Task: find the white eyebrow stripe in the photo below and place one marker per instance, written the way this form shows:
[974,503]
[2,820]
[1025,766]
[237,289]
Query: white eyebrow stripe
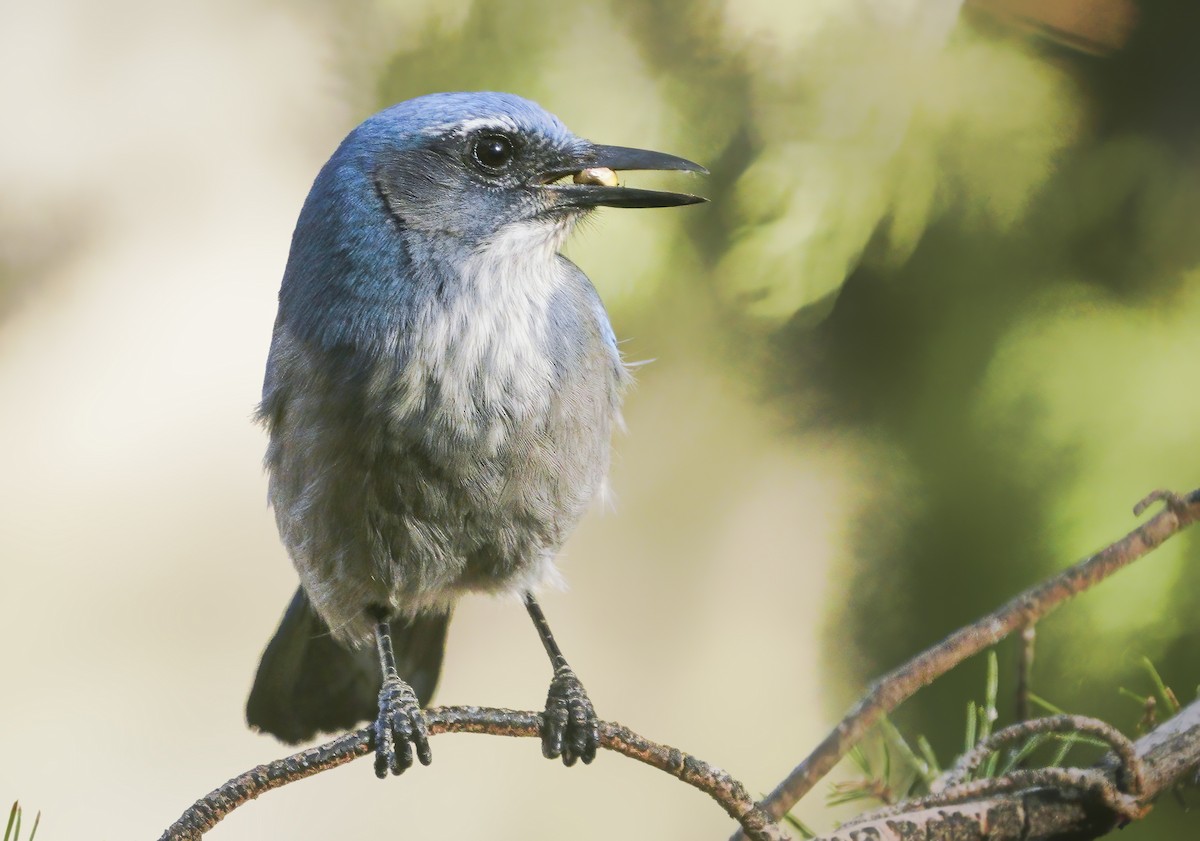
[461,129]
[479,123]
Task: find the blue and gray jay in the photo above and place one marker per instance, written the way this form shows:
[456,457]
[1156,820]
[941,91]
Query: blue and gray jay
[439,397]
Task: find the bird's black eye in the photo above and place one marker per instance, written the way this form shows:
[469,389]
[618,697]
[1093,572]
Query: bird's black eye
[492,152]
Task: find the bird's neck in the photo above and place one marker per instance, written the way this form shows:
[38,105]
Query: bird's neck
[519,264]
[482,336]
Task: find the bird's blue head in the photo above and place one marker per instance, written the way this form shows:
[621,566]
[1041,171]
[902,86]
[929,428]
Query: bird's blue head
[418,188]
[465,165]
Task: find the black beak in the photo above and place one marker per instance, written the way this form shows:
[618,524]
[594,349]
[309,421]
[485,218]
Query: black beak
[617,159]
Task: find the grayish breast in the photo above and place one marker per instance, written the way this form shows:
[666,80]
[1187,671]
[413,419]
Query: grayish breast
[460,459]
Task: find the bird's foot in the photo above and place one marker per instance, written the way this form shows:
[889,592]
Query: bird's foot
[569,726]
[400,727]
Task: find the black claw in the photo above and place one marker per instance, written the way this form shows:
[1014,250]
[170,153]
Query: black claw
[384,747]
[421,740]
[554,725]
[579,730]
[570,728]
[400,726]
[593,742]
[402,757]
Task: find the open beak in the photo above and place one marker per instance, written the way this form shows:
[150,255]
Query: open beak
[594,169]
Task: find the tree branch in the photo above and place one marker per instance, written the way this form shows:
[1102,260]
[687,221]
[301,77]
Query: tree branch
[728,792]
[1077,805]
[1045,803]
[892,689]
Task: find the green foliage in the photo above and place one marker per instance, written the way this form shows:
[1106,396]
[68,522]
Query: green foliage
[892,771]
[799,825]
[1163,695]
[12,831]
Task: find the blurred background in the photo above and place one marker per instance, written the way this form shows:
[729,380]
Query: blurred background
[933,337]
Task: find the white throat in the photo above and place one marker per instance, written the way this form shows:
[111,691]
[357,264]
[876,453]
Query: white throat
[486,345]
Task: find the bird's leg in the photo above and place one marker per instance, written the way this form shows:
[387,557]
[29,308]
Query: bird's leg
[569,727]
[401,724]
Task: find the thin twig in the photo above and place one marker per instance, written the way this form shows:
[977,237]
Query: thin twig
[1078,781]
[716,783]
[1130,780]
[1025,670]
[890,691]
[1045,803]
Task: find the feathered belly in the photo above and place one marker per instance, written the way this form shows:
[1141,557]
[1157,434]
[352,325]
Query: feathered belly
[410,511]
[458,457]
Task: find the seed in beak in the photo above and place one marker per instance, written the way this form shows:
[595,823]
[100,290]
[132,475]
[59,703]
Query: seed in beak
[599,175]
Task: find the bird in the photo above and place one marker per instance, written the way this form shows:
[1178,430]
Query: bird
[439,398]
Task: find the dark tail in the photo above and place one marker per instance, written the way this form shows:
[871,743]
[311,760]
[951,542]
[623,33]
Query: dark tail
[307,683]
